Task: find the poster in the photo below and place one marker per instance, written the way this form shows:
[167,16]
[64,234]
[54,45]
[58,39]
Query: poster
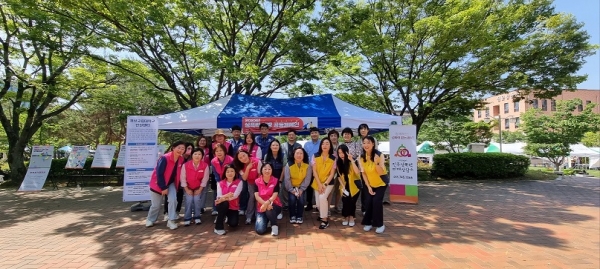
[279,124]
[77,157]
[140,157]
[104,156]
[121,157]
[35,179]
[403,164]
[41,156]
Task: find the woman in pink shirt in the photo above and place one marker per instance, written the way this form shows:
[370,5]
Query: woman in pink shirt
[268,205]
[228,204]
[194,177]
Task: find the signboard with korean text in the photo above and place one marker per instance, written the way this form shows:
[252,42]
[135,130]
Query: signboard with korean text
[103,157]
[403,164]
[279,124]
[39,168]
[140,157]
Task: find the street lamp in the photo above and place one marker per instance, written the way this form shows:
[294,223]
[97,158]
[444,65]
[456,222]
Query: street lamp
[487,120]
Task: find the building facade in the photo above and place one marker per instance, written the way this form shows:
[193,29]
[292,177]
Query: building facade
[509,107]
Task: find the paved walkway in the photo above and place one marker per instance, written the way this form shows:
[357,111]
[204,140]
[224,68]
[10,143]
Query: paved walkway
[537,224]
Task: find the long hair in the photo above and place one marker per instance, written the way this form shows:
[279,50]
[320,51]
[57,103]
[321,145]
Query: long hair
[269,157]
[320,152]
[236,161]
[343,164]
[251,134]
[374,151]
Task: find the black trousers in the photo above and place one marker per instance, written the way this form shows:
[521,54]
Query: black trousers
[224,211]
[374,206]
[179,201]
[310,194]
[349,205]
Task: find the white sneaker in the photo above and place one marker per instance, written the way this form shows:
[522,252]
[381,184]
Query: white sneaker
[345,223]
[293,220]
[214,213]
[220,232]
[248,221]
[187,223]
[368,228]
[149,223]
[166,218]
[242,212]
[351,223]
[280,216]
[380,229]
[274,230]
[299,220]
[197,221]
[171,224]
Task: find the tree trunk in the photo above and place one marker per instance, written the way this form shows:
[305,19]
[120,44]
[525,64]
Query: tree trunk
[15,161]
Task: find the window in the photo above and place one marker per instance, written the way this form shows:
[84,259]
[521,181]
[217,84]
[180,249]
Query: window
[479,113]
[544,105]
[506,123]
[487,112]
[587,102]
[553,105]
[580,107]
[516,108]
[505,108]
[534,103]
[517,122]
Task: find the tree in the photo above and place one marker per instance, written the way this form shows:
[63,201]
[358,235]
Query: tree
[591,139]
[445,55]
[510,137]
[204,50]
[363,100]
[455,133]
[45,72]
[549,136]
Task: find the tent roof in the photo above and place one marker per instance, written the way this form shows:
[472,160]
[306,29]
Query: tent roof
[330,111]
[580,150]
[426,148]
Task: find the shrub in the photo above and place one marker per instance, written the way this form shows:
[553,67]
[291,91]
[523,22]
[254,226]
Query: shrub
[568,172]
[480,165]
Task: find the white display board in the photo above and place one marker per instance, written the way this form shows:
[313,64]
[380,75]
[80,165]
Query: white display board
[140,157]
[403,164]
[121,157]
[77,157]
[39,168]
[104,156]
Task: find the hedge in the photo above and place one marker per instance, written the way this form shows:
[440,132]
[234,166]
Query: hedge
[57,169]
[479,165]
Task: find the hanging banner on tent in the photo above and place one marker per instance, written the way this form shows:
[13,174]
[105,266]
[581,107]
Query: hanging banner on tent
[77,157]
[140,157]
[121,157]
[403,164]
[278,124]
[41,156]
[104,156]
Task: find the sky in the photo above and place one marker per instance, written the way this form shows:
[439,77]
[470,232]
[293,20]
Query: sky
[587,12]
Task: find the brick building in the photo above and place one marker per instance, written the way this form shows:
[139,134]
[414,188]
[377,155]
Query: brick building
[510,106]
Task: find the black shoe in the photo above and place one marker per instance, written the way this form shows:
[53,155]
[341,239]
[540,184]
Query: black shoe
[319,219]
[324,224]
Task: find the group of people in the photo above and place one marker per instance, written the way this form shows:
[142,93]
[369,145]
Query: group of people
[258,177]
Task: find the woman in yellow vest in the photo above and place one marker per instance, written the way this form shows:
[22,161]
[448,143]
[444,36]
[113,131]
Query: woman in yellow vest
[372,167]
[323,164]
[296,178]
[349,174]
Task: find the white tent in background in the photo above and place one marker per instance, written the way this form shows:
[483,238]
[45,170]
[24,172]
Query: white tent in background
[579,150]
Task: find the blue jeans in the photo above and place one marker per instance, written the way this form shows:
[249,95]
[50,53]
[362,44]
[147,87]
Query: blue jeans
[268,216]
[296,205]
[192,203]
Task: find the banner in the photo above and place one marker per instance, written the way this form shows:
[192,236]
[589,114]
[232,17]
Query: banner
[403,164]
[39,168]
[41,156]
[103,157]
[140,157]
[278,124]
[121,157]
[77,157]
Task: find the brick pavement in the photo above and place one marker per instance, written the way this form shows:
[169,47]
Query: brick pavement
[538,224]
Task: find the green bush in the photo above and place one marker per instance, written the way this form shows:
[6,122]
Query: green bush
[57,169]
[568,172]
[480,165]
